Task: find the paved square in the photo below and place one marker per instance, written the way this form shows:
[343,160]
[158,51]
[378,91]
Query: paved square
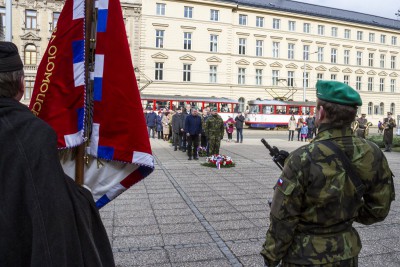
[188,215]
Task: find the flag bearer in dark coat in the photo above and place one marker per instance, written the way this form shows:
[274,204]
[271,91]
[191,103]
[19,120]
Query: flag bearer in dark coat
[327,185]
[177,129]
[46,220]
[193,128]
[388,125]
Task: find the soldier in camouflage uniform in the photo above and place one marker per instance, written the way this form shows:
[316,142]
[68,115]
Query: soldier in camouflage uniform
[316,200]
[214,131]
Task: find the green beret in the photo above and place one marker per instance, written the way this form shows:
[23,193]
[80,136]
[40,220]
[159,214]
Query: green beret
[338,92]
[213,109]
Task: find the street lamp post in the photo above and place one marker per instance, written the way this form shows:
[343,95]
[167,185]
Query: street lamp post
[304,75]
[8,35]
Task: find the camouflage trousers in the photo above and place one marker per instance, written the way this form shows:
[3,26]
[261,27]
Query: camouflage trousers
[352,262]
[214,144]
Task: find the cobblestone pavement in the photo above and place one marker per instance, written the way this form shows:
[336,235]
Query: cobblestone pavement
[185,214]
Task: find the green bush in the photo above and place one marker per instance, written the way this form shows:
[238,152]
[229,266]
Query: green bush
[378,139]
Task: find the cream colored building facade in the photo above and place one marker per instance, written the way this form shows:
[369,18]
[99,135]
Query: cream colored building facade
[225,49]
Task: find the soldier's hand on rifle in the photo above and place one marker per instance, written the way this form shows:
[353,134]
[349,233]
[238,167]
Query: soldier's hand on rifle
[281,157]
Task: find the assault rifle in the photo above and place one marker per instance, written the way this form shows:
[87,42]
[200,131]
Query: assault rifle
[278,156]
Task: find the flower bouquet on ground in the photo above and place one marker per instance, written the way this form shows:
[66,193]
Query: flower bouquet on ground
[219,161]
[201,151]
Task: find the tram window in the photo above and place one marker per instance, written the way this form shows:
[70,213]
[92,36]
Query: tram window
[267,109]
[212,105]
[198,105]
[294,110]
[225,108]
[306,110]
[280,109]
[161,104]
[235,108]
[254,109]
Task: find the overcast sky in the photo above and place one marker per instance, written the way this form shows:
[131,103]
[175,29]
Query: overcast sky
[382,8]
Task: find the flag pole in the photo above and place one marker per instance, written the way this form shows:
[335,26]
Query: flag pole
[81,156]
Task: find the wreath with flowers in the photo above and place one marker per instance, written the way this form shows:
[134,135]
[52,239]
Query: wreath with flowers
[219,161]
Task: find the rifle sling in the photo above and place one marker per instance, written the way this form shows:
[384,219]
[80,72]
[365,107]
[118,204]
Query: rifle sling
[347,165]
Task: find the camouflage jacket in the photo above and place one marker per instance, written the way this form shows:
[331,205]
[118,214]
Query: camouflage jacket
[215,127]
[315,202]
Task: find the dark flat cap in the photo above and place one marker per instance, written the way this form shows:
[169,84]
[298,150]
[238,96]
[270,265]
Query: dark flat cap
[338,92]
[9,57]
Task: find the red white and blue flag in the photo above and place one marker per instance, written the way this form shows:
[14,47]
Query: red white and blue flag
[118,132]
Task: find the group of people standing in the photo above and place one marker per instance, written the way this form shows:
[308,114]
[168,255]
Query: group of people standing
[188,129]
[305,128]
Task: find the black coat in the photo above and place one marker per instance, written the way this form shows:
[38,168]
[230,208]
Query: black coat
[239,121]
[45,218]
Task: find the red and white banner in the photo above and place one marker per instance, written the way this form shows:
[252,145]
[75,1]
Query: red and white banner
[119,134]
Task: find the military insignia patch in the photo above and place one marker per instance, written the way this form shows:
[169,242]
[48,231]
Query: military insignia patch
[280,182]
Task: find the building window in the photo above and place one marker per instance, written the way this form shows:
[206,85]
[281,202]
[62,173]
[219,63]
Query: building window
[241,76]
[187,68]
[56,16]
[358,82]
[381,108]
[370,83]
[306,76]
[214,15]
[320,54]
[160,9]
[393,62]
[346,57]
[259,76]
[346,79]
[276,24]
[321,30]
[28,89]
[292,25]
[347,34]
[333,55]
[371,37]
[30,55]
[187,40]
[393,108]
[259,22]
[306,52]
[290,51]
[275,49]
[359,58]
[290,80]
[159,38]
[213,74]
[306,27]
[334,31]
[359,35]
[275,77]
[383,39]
[382,84]
[320,76]
[394,40]
[30,19]
[370,107]
[333,77]
[392,85]
[376,110]
[382,61]
[242,46]
[213,43]
[188,12]
[242,19]
[370,59]
[159,71]
[259,48]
